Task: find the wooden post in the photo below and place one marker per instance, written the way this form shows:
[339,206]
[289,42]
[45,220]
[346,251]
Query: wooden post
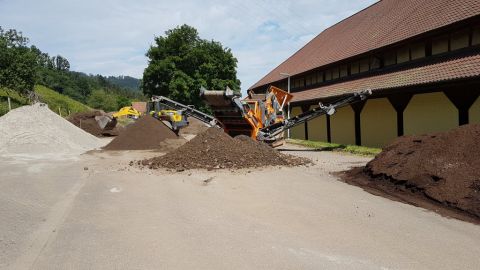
[9,104]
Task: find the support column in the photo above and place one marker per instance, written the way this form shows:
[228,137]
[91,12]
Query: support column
[463,100]
[329,130]
[305,108]
[357,109]
[400,102]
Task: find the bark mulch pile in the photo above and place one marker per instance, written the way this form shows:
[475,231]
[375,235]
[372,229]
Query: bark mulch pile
[439,171]
[214,149]
[145,134]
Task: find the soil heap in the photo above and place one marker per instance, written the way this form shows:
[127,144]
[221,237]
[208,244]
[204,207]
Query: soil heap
[36,130]
[194,127]
[442,168]
[87,122]
[214,149]
[146,133]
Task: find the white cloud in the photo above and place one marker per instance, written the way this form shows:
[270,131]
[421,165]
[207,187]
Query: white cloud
[111,37]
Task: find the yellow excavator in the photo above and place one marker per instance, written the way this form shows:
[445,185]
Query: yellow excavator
[128,112]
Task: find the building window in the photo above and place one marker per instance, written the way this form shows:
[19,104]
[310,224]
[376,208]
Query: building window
[403,55]
[374,63]
[459,40]
[319,77]
[354,68]
[343,71]
[389,58]
[476,36]
[335,73]
[417,51]
[298,83]
[308,81]
[328,75]
[440,45]
[364,65]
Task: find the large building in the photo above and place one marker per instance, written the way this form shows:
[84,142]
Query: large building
[421,58]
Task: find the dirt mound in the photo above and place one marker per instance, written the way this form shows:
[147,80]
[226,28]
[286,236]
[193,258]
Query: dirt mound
[442,168]
[87,122]
[194,127]
[146,133]
[214,149]
[36,131]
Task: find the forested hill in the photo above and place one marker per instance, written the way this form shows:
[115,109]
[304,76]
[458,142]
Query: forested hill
[126,82]
[23,66]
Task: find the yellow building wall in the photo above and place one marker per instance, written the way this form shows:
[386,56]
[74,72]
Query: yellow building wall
[378,123]
[317,128]
[429,113]
[474,112]
[342,126]
[297,132]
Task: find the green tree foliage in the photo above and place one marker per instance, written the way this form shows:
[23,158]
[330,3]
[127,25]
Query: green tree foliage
[126,82]
[17,62]
[99,99]
[181,63]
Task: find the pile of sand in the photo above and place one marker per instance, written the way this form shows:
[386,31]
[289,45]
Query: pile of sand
[441,168]
[36,130]
[215,149]
[146,133]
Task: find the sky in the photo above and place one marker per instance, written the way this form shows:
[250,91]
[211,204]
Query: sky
[111,37]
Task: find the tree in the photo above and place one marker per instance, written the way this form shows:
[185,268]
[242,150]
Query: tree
[61,63]
[17,61]
[181,63]
[99,99]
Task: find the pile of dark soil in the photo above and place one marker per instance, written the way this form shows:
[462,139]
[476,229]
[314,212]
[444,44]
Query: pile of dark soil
[194,127]
[439,171]
[87,122]
[214,149]
[146,133]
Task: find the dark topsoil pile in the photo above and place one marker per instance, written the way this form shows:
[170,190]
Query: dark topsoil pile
[439,171]
[194,127]
[87,122]
[146,133]
[214,149]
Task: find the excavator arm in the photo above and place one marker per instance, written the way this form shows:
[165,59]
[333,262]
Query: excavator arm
[269,133]
[188,110]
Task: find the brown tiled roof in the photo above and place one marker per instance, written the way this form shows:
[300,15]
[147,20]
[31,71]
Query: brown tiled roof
[458,68]
[384,23]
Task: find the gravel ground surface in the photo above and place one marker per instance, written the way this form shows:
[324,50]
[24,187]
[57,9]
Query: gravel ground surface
[97,212]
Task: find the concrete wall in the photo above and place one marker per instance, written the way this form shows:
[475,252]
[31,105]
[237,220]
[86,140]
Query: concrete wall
[342,125]
[429,113]
[317,128]
[297,132]
[474,112]
[378,123]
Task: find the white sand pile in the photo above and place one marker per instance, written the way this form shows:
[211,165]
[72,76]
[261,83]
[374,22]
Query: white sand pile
[37,131]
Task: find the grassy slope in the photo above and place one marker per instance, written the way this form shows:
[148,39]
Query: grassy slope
[58,101]
[15,99]
[54,100]
[353,149]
